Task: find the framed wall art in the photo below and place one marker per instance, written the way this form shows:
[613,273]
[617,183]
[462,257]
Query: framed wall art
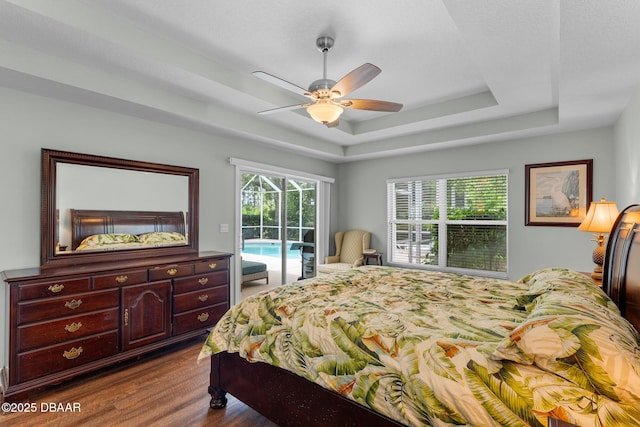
[558,194]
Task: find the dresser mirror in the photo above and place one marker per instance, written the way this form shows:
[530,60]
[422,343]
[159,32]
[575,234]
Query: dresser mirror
[102,209]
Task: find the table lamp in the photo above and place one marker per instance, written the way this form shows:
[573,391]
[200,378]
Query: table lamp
[599,220]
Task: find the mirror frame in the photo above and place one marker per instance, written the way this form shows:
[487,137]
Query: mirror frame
[48,218]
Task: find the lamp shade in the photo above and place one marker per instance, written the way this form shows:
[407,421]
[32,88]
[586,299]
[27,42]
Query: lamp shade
[600,217]
[324,111]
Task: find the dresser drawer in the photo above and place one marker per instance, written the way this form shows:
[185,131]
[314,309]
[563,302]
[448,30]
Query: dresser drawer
[200,298]
[170,271]
[54,288]
[64,356]
[211,265]
[131,277]
[200,281]
[49,308]
[198,319]
[70,328]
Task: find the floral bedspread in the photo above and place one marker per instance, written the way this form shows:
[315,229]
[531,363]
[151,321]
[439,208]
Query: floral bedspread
[430,348]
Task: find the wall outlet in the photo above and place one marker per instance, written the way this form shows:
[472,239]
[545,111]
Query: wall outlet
[224,228]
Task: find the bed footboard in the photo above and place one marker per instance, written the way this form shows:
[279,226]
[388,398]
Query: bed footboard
[285,398]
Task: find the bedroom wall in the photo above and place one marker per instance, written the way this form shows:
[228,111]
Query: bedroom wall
[362,198]
[627,156]
[31,122]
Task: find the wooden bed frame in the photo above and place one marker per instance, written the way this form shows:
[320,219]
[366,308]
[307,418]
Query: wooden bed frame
[621,274]
[85,223]
[289,400]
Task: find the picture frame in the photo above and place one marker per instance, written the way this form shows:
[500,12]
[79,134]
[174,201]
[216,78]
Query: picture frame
[558,194]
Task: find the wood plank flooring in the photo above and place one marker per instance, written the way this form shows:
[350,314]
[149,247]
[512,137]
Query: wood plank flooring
[167,388]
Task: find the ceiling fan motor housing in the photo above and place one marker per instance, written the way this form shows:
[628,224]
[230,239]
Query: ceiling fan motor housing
[321,84]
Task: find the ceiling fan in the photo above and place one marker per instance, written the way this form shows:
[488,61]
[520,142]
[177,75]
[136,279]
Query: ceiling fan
[326,95]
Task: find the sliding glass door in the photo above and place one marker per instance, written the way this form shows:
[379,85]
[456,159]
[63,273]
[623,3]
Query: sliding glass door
[301,223]
[278,216]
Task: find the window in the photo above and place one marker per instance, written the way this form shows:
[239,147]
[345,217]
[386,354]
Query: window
[456,223]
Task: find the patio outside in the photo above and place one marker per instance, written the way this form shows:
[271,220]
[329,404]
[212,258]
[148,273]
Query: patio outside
[264,227]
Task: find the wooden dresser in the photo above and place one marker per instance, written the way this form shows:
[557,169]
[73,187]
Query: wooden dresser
[70,321]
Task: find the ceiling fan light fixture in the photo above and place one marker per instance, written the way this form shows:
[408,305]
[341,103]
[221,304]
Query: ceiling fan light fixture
[324,112]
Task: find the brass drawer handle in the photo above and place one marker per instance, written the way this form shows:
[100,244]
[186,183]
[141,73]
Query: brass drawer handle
[74,353]
[122,279]
[203,281]
[203,297]
[73,327]
[126,317]
[73,304]
[58,287]
[172,271]
[203,317]
[212,266]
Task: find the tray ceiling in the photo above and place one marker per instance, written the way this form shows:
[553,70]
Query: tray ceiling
[466,72]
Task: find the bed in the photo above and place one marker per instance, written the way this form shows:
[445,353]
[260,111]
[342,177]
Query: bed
[409,347]
[111,230]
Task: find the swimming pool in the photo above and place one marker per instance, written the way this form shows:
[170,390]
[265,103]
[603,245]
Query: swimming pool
[268,248]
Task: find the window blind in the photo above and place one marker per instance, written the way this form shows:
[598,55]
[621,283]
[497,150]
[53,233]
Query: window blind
[449,222]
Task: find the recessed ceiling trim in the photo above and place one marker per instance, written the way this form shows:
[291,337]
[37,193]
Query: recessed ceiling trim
[463,104]
[536,119]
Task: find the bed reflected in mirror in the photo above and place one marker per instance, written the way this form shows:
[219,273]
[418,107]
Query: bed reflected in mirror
[83,191]
[96,208]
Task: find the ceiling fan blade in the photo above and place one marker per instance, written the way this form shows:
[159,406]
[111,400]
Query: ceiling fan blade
[355,79]
[333,124]
[283,83]
[370,104]
[281,109]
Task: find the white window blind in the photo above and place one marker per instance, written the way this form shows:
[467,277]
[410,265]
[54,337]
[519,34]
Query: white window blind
[456,223]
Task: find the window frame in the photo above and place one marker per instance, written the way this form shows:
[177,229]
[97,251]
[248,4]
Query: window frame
[443,222]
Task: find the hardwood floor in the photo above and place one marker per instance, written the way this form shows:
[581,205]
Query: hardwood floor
[166,388]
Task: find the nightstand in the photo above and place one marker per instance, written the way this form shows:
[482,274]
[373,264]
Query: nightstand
[376,256]
[596,281]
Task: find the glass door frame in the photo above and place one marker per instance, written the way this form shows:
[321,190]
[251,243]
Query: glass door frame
[321,218]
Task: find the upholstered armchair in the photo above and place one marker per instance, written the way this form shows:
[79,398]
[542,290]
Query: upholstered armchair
[350,246]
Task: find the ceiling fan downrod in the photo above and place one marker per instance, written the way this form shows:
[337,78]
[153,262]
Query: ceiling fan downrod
[324,45]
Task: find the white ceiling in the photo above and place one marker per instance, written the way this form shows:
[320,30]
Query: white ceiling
[467,72]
